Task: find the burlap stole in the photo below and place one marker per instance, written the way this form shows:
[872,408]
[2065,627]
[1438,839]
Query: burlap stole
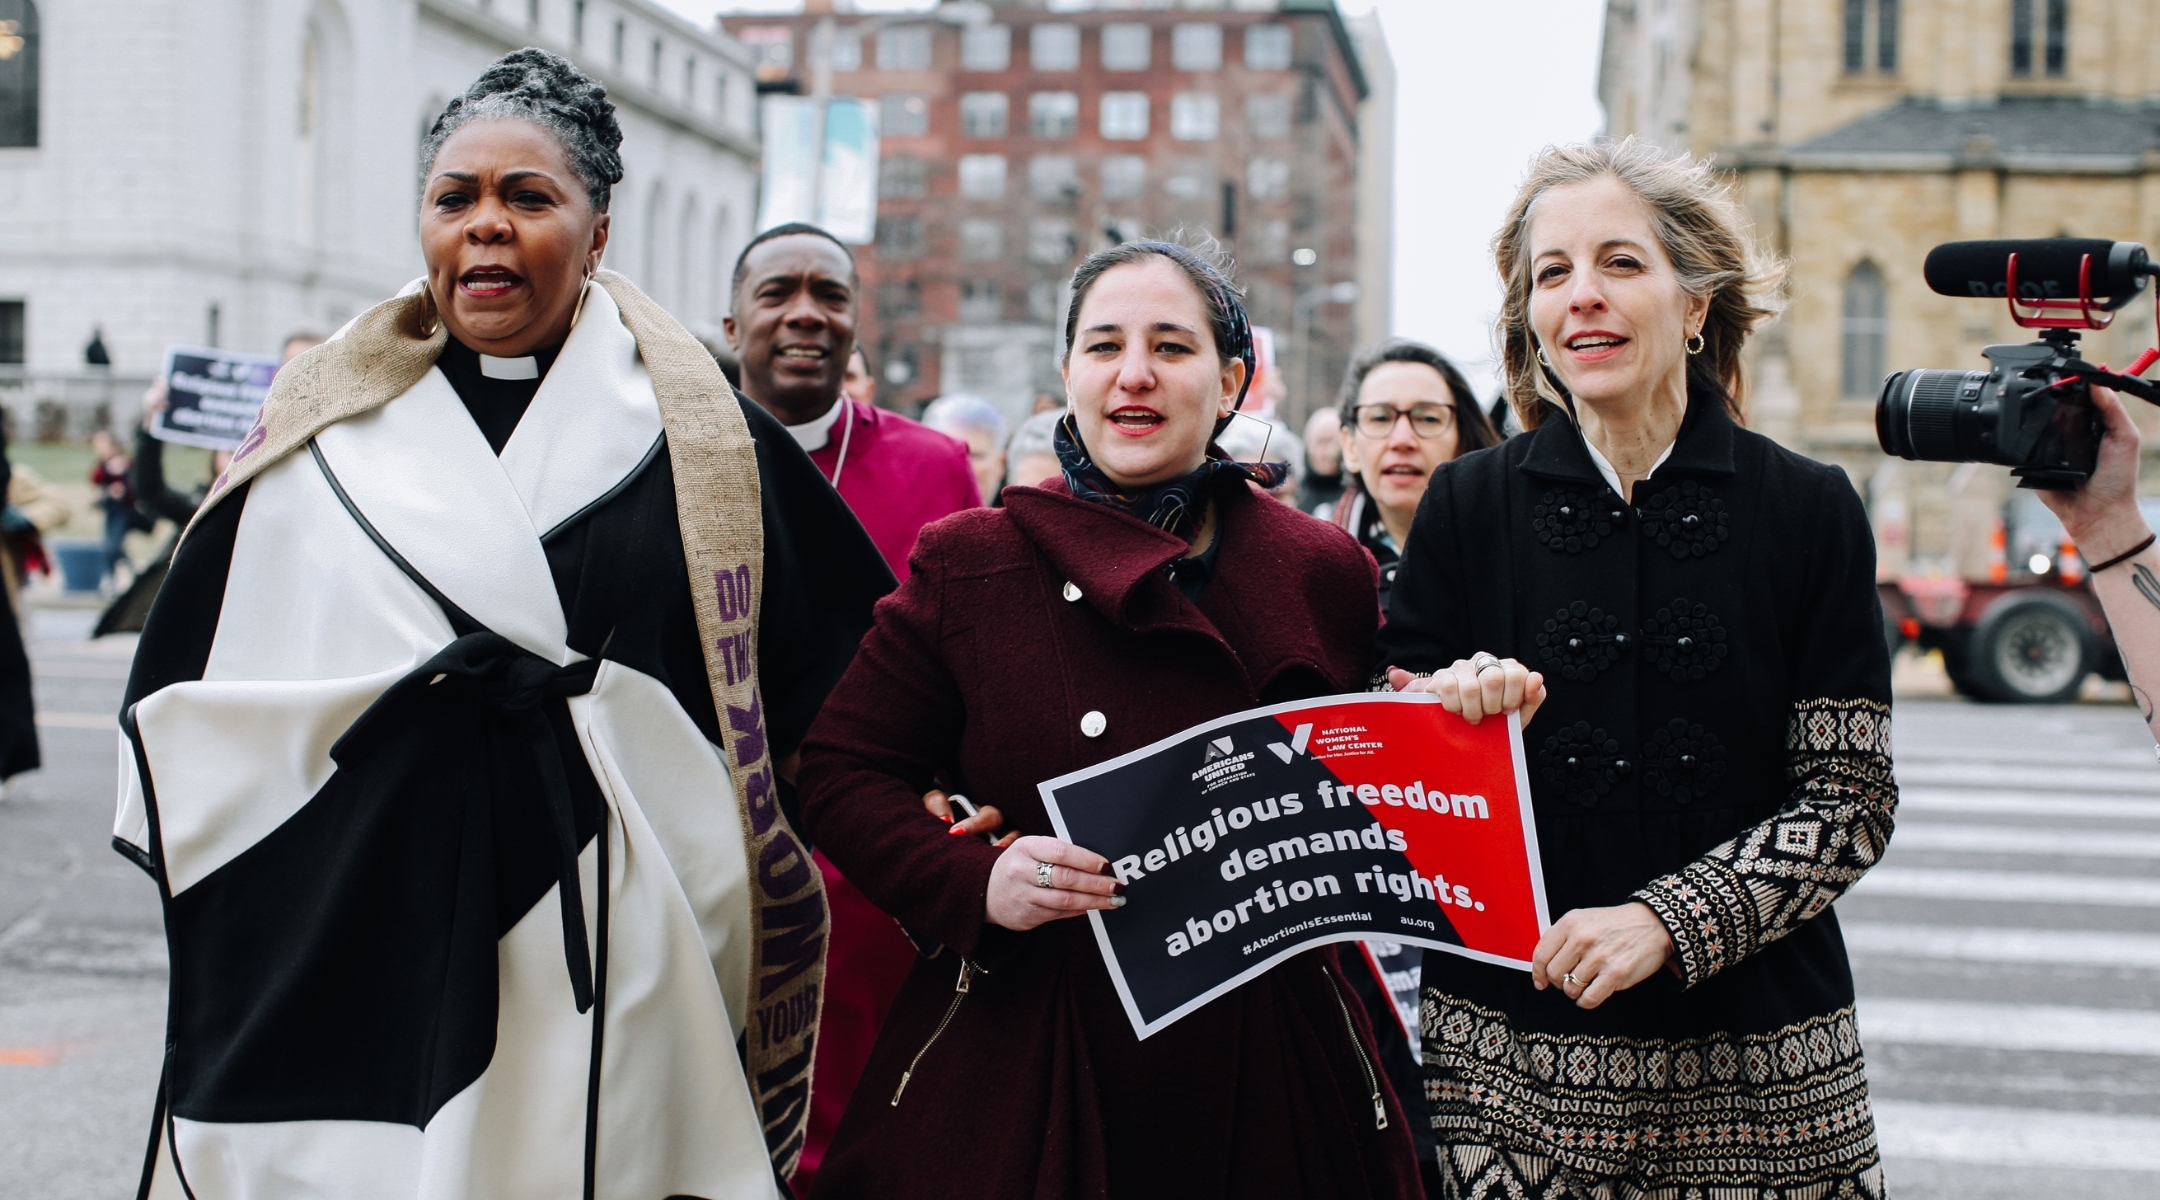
[379,358]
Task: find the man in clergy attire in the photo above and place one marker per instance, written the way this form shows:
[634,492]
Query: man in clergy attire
[793,327]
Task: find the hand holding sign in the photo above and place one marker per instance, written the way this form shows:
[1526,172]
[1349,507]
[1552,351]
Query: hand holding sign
[1248,839]
[1023,894]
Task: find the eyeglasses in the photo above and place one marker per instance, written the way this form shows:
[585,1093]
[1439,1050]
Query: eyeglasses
[1426,420]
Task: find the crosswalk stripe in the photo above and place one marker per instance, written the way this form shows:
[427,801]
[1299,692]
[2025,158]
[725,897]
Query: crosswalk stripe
[2142,781]
[2017,1137]
[2053,1028]
[2074,947]
[2026,840]
[2047,804]
[2032,887]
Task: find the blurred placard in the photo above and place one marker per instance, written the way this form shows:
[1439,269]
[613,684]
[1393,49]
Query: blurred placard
[847,195]
[212,396]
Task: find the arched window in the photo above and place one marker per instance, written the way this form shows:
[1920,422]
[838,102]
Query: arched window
[1866,332]
[18,73]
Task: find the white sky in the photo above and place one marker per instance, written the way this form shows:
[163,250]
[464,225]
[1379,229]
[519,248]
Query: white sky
[1480,87]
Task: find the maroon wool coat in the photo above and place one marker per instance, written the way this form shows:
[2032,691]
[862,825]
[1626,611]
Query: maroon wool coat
[979,670]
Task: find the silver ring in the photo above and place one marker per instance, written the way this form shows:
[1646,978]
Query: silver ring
[1570,979]
[1042,875]
[1482,662]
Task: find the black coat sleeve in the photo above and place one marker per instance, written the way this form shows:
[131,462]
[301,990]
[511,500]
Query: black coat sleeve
[822,575]
[152,494]
[1837,817]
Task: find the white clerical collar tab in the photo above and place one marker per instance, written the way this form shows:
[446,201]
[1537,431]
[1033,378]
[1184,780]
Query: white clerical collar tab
[509,368]
[814,433]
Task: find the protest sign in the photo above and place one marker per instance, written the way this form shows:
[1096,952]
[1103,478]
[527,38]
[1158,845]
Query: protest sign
[1245,840]
[212,396]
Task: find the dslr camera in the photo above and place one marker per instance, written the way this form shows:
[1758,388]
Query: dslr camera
[2033,411]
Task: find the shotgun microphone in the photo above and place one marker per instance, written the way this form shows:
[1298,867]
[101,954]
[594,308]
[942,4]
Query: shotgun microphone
[2047,269]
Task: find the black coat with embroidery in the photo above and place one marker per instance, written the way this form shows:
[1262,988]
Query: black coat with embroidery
[1716,738]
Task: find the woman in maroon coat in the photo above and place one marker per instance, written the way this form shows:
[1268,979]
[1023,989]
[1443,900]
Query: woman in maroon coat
[1152,589]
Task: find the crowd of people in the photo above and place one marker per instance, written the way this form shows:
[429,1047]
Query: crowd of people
[567,770]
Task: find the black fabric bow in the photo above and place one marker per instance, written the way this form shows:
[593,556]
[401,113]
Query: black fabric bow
[495,673]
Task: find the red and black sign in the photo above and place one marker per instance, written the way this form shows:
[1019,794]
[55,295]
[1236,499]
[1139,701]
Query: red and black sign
[1247,839]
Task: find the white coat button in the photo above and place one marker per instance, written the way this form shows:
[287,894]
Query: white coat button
[1093,724]
[1072,590]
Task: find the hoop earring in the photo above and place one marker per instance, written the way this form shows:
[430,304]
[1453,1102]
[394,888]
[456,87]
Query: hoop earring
[584,289]
[1695,344]
[1541,357]
[429,317]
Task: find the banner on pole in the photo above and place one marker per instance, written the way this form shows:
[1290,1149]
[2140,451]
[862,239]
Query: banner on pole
[1248,839]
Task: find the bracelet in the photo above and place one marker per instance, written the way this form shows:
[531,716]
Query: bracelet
[2125,556]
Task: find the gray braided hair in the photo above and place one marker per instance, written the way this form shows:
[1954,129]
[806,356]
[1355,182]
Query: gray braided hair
[545,89]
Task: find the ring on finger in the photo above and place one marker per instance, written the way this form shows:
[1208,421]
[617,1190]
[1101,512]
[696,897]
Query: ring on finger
[1042,875]
[1570,980]
[1483,661]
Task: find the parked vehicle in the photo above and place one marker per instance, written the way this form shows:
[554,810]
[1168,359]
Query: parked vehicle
[2029,633]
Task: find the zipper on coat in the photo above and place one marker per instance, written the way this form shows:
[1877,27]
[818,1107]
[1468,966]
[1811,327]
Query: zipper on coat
[968,971]
[1379,1105]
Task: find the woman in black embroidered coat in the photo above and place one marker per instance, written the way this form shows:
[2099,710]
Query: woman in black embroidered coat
[1710,762]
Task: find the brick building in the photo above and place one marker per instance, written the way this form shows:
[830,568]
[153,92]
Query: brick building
[1012,148]
[1863,132]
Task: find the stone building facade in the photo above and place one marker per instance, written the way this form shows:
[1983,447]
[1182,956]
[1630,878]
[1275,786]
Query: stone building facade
[1012,147]
[226,171]
[1863,132]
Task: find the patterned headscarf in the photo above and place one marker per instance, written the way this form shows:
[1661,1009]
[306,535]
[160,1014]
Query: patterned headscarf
[1176,507]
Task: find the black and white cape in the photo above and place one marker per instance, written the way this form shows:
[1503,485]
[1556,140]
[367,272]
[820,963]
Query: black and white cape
[455,773]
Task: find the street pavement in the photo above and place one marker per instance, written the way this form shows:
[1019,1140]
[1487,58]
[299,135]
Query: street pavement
[2007,951]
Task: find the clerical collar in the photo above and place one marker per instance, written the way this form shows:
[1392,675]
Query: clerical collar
[527,367]
[814,434]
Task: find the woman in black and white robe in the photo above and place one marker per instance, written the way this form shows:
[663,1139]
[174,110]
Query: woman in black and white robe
[452,737]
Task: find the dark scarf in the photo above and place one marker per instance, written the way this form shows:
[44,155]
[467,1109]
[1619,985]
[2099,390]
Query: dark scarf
[1176,507]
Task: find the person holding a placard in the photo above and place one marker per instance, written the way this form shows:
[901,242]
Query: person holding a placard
[1695,608]
[1152,585]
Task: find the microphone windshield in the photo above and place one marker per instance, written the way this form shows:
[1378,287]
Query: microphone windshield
[2047,268]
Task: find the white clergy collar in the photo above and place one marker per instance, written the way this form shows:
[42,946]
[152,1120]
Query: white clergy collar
[812,435]
[509,368]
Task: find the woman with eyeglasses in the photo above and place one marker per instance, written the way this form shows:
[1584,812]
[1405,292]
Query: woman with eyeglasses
[1405,410]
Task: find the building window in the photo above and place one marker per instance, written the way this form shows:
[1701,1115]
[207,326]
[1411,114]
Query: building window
[1267,47]
[1866,333]
[1871,36]
[1124,177]
[899,239]
[1053,177]
[982,114]
[1195,117]
[772,45]
[1042,300]
[904,48]
[1126,47]
[689,81]
[1267,115]
[903,177]
[904,114]
[616,49]
[1054,114]
[1050,240]
[655,70]
[846,52]
[1196,47]
[532,13]
[899,300]
[981,301]
[1124,116]
[986,47]
[1054,47]
[1267,178]
[982,176]
[2048,43]
[982,239]
[577,22]
[11,332]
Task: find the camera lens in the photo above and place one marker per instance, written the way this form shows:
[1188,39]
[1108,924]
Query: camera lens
[1931,415]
